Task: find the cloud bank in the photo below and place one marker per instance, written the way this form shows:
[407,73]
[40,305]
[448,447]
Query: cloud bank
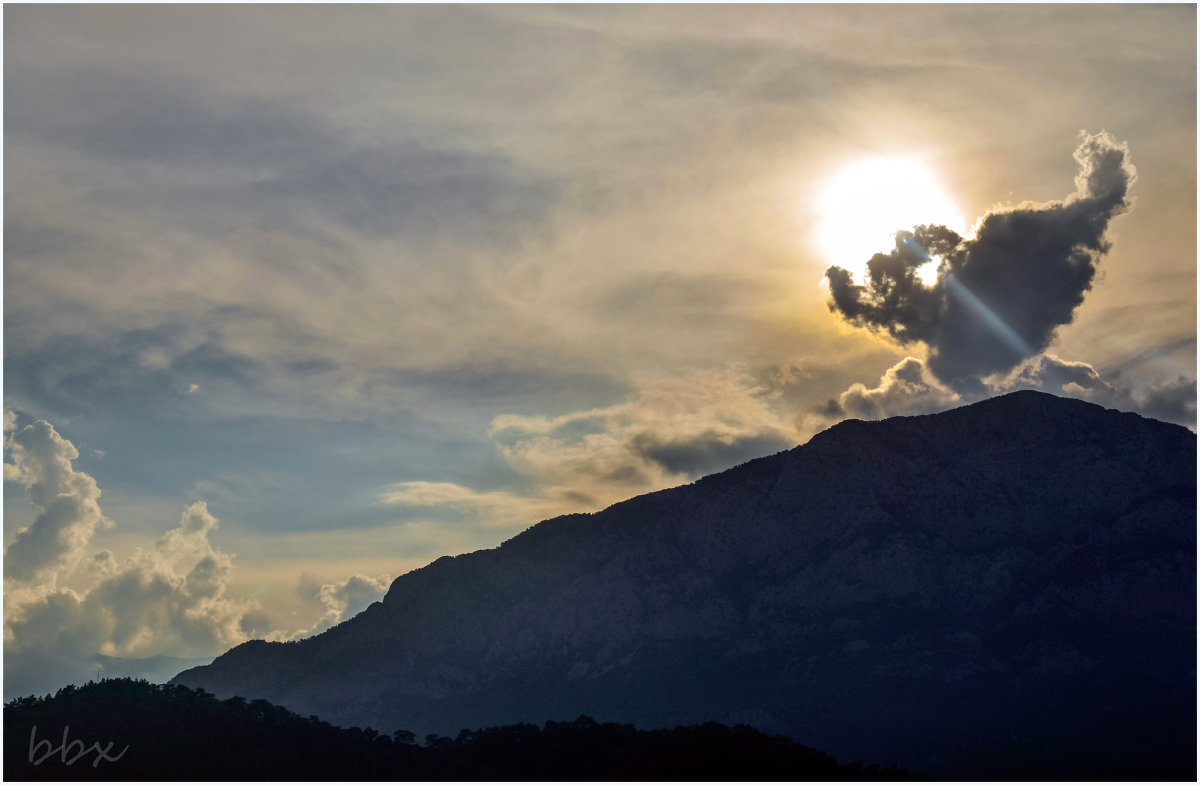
[170,597]
[670,431]
[909,388]
[1000,296]
[1172,400]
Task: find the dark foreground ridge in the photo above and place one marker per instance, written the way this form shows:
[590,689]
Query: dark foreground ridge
[1001,591]
[156,732]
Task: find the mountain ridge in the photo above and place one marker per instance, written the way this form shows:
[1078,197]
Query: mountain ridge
[880,563]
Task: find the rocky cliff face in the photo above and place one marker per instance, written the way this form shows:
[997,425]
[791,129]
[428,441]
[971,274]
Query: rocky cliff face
[1002,590]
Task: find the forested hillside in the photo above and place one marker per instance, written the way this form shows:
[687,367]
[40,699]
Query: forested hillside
[120,729]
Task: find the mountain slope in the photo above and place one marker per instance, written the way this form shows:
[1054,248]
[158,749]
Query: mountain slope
[1001,590]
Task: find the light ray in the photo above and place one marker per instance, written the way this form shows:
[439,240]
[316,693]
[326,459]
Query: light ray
[1005,333]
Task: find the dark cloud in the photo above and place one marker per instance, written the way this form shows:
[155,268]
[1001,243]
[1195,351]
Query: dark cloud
[625,475]
[1170,401]
[1173,401]
[579,498]
[831,409]
[1048,372]
[706,452]
[1000,296]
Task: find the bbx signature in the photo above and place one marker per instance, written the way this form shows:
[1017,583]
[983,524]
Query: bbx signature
[68,751]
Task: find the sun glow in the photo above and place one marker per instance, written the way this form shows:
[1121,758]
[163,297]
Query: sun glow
[863,206]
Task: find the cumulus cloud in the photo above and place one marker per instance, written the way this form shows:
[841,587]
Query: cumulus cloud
[66,502]
[909,388]
[1172,400]
[1053,374]
[341,600]
[166,598]
[906,388]
[169,597]
[1000,296]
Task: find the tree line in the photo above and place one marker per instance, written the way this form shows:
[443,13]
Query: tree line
[127,729]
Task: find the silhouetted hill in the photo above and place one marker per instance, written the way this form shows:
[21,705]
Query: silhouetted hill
[152,732]
[1005,590]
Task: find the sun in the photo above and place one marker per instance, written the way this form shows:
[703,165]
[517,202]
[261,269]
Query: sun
[863,206]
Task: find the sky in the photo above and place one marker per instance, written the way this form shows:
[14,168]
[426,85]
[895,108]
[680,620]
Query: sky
[300,298]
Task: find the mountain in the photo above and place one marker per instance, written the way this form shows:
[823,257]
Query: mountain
[1002,591]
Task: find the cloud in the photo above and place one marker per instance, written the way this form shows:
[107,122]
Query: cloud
[65,601]
[235,230]
[168,597]
[1053,374]
[701,453]
[671,430]
[1000,296]
[341,600]
[489,508]
[1171,400]
[909,388]
[906,388]
[65,501]
[283,159]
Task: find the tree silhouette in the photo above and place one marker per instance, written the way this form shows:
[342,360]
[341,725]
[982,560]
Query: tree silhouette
[173,732]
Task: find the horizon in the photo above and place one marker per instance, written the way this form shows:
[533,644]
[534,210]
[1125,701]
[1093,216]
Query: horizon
[300,299]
